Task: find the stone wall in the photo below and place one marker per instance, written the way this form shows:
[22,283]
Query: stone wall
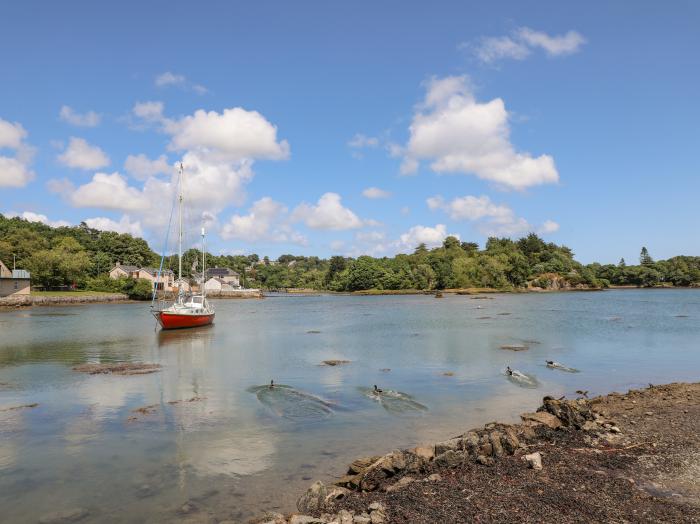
[47,300]
[237,293]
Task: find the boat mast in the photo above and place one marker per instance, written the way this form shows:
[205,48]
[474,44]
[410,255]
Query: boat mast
[204,266]
[179,236]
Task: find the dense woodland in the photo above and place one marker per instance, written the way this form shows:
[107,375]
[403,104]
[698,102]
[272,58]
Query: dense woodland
[80,257]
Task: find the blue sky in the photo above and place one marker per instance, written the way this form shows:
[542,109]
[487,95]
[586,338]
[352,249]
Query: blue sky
[578,121]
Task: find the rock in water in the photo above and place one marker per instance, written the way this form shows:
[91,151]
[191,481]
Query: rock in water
[334,362]
[534,460]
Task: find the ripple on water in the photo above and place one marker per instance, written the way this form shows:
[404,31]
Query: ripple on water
[287,402]
[394,402]
[523,380]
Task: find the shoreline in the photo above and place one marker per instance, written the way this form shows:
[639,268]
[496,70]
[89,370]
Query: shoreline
[77,299]
[464,291]
[631,456]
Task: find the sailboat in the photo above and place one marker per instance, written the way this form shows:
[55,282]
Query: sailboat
[188,310]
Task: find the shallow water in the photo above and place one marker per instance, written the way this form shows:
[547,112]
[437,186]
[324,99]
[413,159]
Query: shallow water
[206,438]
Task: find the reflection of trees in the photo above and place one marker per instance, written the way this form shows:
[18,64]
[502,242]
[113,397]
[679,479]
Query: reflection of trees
[69,353]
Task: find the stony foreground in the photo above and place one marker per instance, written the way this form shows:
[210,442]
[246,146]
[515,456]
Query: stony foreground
[618,458]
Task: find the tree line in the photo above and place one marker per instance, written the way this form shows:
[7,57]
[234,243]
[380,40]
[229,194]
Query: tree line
[81,257]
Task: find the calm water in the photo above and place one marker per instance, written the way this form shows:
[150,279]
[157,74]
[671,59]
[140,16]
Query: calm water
[242,448]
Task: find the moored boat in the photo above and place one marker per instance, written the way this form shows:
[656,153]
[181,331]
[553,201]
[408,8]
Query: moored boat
[188,310]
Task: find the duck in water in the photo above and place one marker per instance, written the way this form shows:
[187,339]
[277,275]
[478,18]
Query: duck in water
[377,390]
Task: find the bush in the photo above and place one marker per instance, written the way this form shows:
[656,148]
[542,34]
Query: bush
[135,289]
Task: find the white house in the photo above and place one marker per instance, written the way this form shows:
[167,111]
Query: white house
[219,284]
[229,276]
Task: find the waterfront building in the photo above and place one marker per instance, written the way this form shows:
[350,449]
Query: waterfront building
[13,281]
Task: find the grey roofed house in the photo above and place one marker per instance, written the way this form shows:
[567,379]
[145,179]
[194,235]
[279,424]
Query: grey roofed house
[127,269]
[220,272]
[154,271]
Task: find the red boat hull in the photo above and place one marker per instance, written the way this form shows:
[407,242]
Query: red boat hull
[169,320]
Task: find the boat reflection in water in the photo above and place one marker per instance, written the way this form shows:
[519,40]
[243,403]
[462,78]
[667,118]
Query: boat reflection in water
[199,336]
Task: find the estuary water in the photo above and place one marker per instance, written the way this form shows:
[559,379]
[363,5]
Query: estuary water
[205,439]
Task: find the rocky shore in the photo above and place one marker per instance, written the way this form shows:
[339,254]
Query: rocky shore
[631,457]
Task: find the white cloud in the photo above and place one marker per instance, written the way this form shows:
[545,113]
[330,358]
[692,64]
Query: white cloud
[492,219]
[79,154]
[565,44]
[430,236]
[168,79]
[470,208]
[107,191]
[37,217]
[89,119]
[522,41]
[233,135]
[328,213]
[362,141]
[124,225]
[394,150]
[266,221]
[494,48]
[375,193]
[151,111]
[199,89]
[11,135]
[15,171]
[217,152]
[60,186]
[549,226]
[141,167]
[372,243]
[461,135]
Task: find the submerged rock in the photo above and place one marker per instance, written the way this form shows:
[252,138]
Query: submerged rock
[65,516]
[24,406]
[119,368]
[514,347]
[334,362]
